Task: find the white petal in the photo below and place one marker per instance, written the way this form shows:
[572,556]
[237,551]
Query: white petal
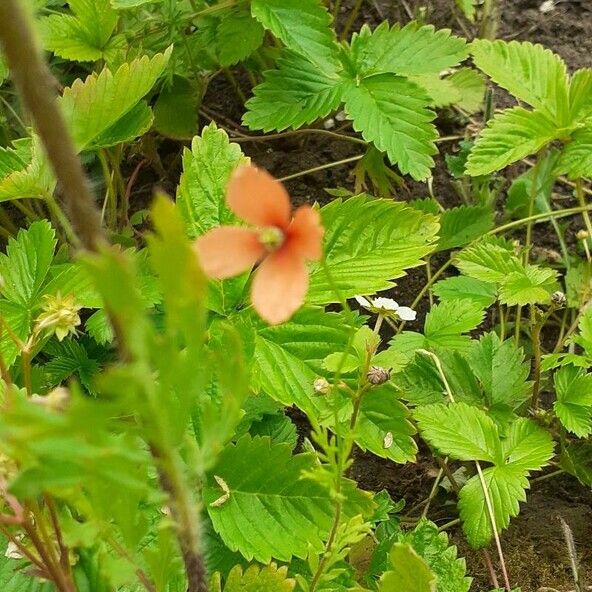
[406,314]
[386,304]
[363,301]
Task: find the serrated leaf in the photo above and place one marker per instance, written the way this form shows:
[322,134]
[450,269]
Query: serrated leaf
[133,124]
[433,546]
[463,287]
[440,90]
[574,400]
[510,136]
[82,36]
[420,382]
[530,72]
[463,224]
[295,94]
[576,459]
[238,35]
[580,93]
[471,86]
[15,577]
[26,263]
[412,50]
[289,357]
[447,321]
[255,578]
[408,571]
[19,319]
[11,161]
[488,262]
[527,445]
[462,431]
[123,4]
[506,486]
[392,112]
[575,160]
[468,8]
[267,497]
[278,427]
[501,370]
[93,106]
[303,26]
[368,243]
[531,285]
[380,414]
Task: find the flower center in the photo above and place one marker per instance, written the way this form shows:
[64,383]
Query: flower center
[271,237]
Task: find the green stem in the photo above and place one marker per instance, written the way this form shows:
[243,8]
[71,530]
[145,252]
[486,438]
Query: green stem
[353,15]
[536,327]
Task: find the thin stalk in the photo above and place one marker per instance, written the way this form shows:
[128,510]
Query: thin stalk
[280,136]
[33,79]
[353,15]
[536,327]
[322,167]
[336,7]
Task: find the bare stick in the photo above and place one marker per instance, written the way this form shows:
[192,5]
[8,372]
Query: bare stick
[33,79]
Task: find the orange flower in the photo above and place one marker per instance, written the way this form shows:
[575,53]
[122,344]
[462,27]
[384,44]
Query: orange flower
[280,243]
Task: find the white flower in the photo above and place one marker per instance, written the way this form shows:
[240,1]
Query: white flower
[12,551]
[387,307]
[547,6]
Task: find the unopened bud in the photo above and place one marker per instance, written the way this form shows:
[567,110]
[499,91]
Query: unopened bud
[321,386]
[378,375]
[558,299]
[582,234]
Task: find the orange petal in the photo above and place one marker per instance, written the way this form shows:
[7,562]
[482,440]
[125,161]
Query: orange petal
[228,250]
[279,286]
[256,197]
[305,233]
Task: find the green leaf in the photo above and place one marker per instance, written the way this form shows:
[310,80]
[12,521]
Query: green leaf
[382,414]
[14,574]
[303,26]
[510,136]
[3,70]
[580,93]
[83,36]
[201,196]
[447,321]
[471,86]
[488,262]
[463,287]
[461,225]
[289,357]
[11,161]
[574,400]
[278,427]
[408,572]
[133,124]
[501,370]
[468,8]
[575,160]
[459,430]
[392,112]
[336,361]
[368,242]
[420,382]
[269,578]
[26,263]
[506,485]
[123,4]
[530,72]
[19,319]
[268,497]
[409,51]
[440,90]
[175,111]
[93,106]
[433,546]
[576,459]
[295,94]
[527,445]
[238,35]
[531,285]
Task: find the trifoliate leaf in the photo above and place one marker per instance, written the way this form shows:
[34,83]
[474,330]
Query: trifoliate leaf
[82,36]
[461,225]
[506,485]
[94,105]
[575,160]
[295,94]
[269,578]
[530,72]
[392,112]
[510,136]
[420,382]
[259,495]
[412,50]
[531,285]
[408,571]
[574,400]
[501,370]
[463,287]
[462,431]
[368,243]
[433,546]
[303,26]
[238,35]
